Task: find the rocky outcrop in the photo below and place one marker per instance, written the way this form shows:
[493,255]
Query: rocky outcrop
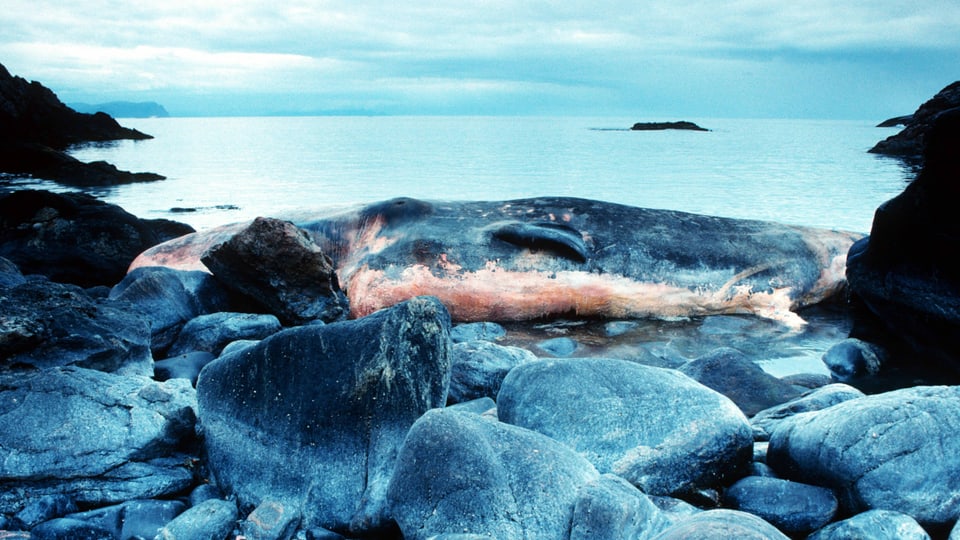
[276,265]
[907,271]
[75,238]
[97,437]
[45,324]
[36,128]
[911,140]
[660,126]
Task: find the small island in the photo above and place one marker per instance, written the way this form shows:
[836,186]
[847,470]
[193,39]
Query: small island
[660,126]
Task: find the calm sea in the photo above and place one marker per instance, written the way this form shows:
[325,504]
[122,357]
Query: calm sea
[227,169]
[804,172]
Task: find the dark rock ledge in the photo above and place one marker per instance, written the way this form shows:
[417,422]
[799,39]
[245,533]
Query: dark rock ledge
[36,129]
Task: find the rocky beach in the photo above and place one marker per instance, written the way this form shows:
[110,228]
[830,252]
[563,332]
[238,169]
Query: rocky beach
[240,401]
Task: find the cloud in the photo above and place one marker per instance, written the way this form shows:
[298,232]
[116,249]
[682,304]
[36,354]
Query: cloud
[449,52]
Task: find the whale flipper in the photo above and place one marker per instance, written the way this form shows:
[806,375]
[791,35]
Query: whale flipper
[557,238]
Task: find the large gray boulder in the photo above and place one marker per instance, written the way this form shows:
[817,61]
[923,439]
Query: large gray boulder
[170,298]
[612,508]
[896,451]
[277,265]
[98,437]
[659,429]
[459,472]
[314,416]
[45,324]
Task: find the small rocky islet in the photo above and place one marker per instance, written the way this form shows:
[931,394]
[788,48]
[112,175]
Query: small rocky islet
[185,404]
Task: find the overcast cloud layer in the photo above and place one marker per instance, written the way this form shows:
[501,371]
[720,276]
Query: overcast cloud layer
[662,58]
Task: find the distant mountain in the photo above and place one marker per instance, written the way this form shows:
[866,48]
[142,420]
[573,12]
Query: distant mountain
[124,109]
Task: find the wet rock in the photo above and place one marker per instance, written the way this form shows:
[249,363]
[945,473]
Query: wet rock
[731,373]
[276,264]
[73,237]
[141,518]
[478,368]
[212,519]
[170,298]
[119,432]
[794,508]
[462,473]
[853,358]
[722,524]
[45,324]
[271,520]
[875,525]
[485,331]
[815,400]
[211,333]
[559,347]
[662,431]
[335,399]
[610,507]
[43,509]
[60,528]
[868,451]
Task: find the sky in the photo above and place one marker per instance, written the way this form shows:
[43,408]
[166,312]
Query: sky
[645,60]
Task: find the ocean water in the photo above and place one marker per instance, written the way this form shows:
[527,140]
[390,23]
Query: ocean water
[805,172]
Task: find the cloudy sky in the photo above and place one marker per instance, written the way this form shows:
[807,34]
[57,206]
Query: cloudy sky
[862,59]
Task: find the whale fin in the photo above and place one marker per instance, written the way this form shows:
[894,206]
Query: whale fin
[560,239]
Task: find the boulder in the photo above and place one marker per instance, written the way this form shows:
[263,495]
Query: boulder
[875,525]
[852,358]
[478,368]
[75,238]
[766,421]
[170,298]
[869,451]
[60,528]
[122,434]
[271,520]
[461,473]
[277,265]
[45,324]
[611,508]
[794,508]
[722,523]
[142,518]
[486,331]
[731,373]
[212,519]
[211,333]
[659,429]
[910,141]
[336,400]
[907,271]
